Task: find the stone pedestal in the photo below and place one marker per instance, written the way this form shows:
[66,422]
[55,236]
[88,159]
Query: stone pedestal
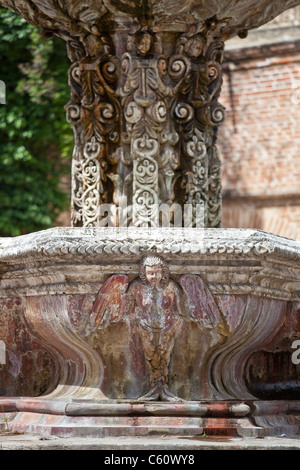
[166,324]
[229,366]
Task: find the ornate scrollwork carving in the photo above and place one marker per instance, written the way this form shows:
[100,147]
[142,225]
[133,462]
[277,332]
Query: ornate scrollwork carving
[144,109]
[168,85]
[88,172]
[94,112]
[134,83]
[197,113]
[145,183]
[150,137]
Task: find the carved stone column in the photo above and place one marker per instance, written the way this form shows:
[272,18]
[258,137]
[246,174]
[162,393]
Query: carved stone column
[145,123]
[145,80]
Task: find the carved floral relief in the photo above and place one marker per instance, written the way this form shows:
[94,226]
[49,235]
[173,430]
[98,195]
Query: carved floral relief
[145,125]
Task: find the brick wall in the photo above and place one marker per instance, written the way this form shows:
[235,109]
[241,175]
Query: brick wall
[260,140]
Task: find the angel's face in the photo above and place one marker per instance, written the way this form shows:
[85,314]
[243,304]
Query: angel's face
[144,44]
[153,275]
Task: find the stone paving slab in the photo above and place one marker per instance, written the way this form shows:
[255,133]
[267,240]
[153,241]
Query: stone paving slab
[162,443]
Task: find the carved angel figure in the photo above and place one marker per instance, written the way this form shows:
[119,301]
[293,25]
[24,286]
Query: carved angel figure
[158,306]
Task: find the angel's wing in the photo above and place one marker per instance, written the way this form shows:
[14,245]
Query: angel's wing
[201,307]
[110,303]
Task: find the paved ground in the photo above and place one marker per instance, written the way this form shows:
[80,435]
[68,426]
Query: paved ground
[164,443]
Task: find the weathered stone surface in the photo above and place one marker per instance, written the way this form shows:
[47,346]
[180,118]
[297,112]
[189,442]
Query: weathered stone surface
[241,290]
[145,81]
[70,306]
[28,367]
[85,17]
[78,260]
[273,371]
[86,418]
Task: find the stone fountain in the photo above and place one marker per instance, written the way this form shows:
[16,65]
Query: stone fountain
[146,316]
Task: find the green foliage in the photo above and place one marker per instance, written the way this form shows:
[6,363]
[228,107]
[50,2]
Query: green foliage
[35,139]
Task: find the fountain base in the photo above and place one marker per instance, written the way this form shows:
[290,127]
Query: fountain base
[233,365]
[92,418]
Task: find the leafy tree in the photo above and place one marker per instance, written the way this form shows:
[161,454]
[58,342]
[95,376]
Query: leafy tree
[35,139]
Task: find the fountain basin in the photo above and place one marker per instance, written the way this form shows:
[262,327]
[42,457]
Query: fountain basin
[49,284]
